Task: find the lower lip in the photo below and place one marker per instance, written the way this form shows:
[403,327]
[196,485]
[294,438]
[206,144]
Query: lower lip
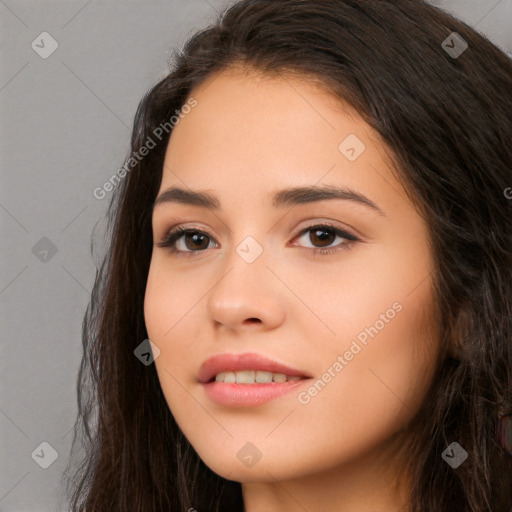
[248,395]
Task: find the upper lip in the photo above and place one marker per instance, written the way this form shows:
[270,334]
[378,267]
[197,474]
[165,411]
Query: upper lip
[248,361]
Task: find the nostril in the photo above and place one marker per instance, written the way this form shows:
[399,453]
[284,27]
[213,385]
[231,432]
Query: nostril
[253,320]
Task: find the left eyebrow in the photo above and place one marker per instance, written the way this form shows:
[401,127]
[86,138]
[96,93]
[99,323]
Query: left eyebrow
[300,195]
[280,199]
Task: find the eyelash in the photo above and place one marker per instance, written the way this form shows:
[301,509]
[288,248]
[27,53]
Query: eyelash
[176,233]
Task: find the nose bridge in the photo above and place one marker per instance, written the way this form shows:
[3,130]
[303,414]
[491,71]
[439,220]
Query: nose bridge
[246,289]
[249,243]
[245,268]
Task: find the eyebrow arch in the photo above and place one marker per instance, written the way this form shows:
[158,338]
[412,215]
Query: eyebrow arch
[281,199]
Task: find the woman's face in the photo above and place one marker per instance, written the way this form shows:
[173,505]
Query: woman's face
[352,322]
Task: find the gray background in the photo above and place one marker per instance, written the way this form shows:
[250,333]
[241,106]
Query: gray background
[65,129]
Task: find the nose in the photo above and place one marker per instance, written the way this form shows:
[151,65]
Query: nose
[247,295]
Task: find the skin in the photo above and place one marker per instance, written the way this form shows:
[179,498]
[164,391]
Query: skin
[249,136]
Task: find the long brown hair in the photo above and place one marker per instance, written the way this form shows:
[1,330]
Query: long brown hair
[447,120]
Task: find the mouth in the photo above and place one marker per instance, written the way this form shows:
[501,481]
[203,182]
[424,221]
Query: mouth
[247,368]
[247,380]
[253,377]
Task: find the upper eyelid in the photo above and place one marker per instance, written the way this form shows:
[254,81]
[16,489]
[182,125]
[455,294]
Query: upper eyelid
[180,223]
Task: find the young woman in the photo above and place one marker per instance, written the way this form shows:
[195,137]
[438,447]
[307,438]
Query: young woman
[306,303]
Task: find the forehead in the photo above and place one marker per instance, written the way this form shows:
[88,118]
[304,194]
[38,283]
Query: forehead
[239,104]
[254,133]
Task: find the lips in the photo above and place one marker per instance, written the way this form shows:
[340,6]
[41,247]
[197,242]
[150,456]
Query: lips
[247,361]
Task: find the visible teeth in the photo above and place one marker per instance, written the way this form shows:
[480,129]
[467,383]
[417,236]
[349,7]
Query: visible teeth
[244,377]
[229,377]
[263,377]
[252,377]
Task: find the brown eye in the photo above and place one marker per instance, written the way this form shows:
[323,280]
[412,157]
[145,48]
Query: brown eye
[323,236]
[194,241]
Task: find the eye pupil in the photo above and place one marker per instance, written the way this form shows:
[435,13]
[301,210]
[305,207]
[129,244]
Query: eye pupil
[323,239]
[195,237]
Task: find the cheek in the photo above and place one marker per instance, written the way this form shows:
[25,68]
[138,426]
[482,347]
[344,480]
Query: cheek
[162,313]
[169,298]
[375,394]
[389,349]
[170,303]
[379,309]
[380,298]
[158,310]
